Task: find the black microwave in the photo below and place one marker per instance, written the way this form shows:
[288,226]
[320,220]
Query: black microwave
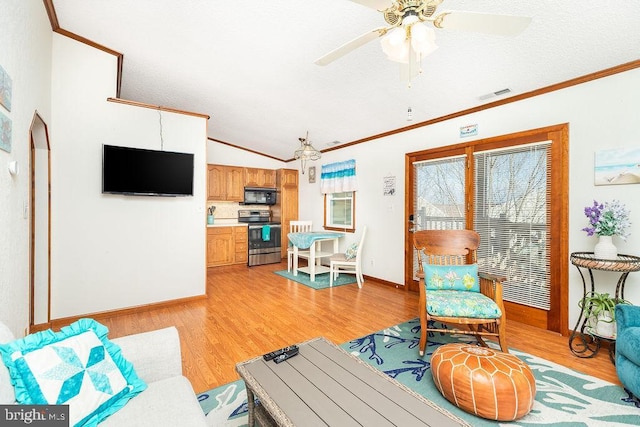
[259,196]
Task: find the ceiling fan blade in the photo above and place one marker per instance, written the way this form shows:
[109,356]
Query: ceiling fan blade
[503,25]
[350,46]
[375,4]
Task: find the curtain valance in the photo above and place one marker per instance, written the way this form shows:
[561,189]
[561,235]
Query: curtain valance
[338,177]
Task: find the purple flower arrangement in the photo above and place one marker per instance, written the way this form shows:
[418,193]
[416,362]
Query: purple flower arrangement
[607,219]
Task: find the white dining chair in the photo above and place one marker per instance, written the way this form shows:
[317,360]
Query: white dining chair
[345,263]
[297,227]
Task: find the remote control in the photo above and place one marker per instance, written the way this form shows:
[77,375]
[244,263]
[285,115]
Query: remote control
[277,353]
[286,355]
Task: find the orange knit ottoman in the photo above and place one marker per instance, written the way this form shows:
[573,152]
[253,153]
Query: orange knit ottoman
[485,382]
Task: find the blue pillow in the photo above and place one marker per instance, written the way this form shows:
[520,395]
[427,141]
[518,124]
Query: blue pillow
[351,251]
[77,366]
[451,277]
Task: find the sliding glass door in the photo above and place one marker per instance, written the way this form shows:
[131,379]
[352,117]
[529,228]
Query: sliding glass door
[507,189]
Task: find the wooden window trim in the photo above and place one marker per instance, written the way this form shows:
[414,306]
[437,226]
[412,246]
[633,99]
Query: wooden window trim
[342,229]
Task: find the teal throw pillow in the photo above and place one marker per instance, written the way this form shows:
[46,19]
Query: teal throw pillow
[77,366]
[451,277]
[351,251]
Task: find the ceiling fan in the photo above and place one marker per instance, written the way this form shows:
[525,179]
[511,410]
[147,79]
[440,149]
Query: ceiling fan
[407,36]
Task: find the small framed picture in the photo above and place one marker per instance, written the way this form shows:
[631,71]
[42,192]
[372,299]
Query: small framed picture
[5,133]
[617,166]
[312,174]
[5,89]
[388,185]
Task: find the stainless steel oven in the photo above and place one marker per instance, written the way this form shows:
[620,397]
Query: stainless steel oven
[264,237]
[264,244]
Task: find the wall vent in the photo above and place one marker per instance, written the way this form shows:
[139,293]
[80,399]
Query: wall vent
[494,94]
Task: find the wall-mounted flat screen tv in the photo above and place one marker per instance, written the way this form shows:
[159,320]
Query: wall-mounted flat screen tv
[135,171]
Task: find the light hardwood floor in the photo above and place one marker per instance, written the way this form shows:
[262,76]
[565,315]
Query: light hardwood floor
[251,311]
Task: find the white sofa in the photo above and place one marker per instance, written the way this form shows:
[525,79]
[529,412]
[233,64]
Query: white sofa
[169,399]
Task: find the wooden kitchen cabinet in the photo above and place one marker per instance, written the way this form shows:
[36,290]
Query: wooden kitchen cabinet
[220,246]
[287,184]
[216,182]
[289,178]
[269,178]
[225,183]
[241,242]
[235,184]
[227,245]
[255,177]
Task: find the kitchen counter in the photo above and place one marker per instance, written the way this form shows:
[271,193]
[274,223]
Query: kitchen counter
[227,223]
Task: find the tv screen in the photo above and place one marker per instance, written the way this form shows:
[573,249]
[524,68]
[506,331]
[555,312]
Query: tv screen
[146,172]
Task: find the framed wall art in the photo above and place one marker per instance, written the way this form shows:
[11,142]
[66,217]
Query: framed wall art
[5,89]
[5,133]
[617,166]
[389,185]
[312,174]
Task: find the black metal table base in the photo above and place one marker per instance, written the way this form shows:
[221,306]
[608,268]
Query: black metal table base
[584,342]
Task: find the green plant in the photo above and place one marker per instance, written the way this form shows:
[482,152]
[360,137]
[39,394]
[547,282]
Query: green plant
[593,304]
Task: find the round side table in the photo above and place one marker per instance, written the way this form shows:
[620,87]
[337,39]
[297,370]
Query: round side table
[584,342]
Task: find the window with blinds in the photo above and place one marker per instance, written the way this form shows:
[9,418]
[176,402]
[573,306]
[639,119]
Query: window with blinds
[512,214]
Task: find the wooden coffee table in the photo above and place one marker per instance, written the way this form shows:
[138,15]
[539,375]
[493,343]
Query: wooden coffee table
[324,385]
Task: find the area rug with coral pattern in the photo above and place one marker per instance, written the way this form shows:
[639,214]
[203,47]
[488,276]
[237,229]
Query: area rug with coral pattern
[564,397]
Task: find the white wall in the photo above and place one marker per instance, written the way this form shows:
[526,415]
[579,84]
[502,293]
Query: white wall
[602,114]
[25,54]
[110,251]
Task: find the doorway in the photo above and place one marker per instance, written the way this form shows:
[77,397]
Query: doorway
[40,224]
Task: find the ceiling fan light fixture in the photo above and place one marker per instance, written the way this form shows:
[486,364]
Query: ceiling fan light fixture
[396,45]
[420,32]
[414,38]
[393,40]
[400,53]
[420,16]
[410,18]
[423,39]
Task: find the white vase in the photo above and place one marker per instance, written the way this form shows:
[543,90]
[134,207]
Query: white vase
[605,249]
[605,327]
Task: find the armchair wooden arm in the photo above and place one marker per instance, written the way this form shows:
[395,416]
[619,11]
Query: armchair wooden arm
[491,286]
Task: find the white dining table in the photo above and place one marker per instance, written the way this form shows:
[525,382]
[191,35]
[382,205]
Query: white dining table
[312,240]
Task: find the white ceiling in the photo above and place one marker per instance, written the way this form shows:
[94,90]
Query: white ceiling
[249,64]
